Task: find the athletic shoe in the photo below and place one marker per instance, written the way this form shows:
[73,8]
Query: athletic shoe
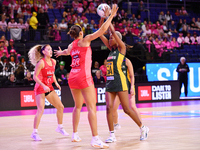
[35,137]
[117,126]
[98,143]
[144,133]
[75,137]
[111,140]
[62,131]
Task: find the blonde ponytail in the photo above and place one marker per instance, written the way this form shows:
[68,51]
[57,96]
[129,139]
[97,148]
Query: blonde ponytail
[34,54]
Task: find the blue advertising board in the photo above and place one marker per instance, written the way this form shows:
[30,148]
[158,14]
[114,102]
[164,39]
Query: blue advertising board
[167,71]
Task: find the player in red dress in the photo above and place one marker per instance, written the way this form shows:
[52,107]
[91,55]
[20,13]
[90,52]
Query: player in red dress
[40,56]
[80,78]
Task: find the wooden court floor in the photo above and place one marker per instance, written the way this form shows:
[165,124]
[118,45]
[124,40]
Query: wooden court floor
[171,128]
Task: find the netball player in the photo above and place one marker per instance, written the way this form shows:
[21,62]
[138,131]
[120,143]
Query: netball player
[116,83]
[128,71]
[80,78]
[40,56]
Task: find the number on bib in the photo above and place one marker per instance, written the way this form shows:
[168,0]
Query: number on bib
[110,71]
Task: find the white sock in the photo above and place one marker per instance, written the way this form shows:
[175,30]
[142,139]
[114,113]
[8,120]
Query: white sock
[35,130]
[60,125]
[95,137]
[141,128]
[74,133]
[112,134]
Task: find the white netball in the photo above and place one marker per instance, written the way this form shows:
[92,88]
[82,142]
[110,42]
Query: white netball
[101,8]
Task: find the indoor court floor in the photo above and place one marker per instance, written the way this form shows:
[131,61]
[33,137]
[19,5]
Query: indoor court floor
[173,126]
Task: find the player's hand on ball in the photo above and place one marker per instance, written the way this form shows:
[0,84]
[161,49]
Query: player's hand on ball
[106,12]
[58,53]
[46,88]
[114,9]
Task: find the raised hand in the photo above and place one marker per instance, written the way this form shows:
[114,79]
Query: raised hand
[106,11]
[58,53]
[114,9]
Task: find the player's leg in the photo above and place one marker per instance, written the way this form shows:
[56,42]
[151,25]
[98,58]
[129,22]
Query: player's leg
[115,113]
[78,100]
[123,96]
[110,97]
[40,101]
[53,98]
[89,95]
[133,106]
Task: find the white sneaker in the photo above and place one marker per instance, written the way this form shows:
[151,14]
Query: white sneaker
[98,143]
[35,137]
[117,126]
[111,140]
[62,131]
[144,133]
[75,137]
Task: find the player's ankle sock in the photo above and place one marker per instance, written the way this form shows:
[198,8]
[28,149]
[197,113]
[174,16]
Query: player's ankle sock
[35,130]
[60,125]
[112,134]
[95,137]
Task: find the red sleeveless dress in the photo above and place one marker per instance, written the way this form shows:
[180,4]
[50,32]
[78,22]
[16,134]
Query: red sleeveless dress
[80,75]
[46,77]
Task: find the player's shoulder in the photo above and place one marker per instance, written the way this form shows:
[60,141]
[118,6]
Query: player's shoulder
[53,60]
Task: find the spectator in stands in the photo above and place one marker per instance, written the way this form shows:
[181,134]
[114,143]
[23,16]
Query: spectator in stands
[166,44]
[135,31]
[26,8]
[61,72]
[159,47]
[164,26]
[95,68]
[169,36]
[28,80]
[88,30]
[193,24]
[103,69]
[85,6]
[144,26]
[160,30]
[172,27]
[21,25]
[98,77]
[12,65]
[92,8]
[23,62]
[161,17]
[92,23]
[118,17]
[63,25]
[139,19]
[177,13]
[149,44]
[56,22]
[154,30]
[56,33]
[179,26]
[3,47]
[12,24]
[174,44]
[19,73]
[11,7]
[3,24]
[147,31]
[33,25]
[121,29]
[125,16]
[34,8]
[187,39]
[5,41]
[83,17]
[80,8]
[59,4]
[184,30]
[50,33]
[11,45]
[44,6]
[195,39]
[85,23]
[11,80]
[95,28]
[75,4]
[181,39]
[133,19]
[168,17]
[198,23]
[140,8]
[183,11]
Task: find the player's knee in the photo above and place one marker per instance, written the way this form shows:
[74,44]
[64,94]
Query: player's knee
[40,111]
[109,109]
[61,107]
[126,110]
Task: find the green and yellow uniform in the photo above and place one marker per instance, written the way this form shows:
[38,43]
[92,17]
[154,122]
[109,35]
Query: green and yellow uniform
[116,79]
